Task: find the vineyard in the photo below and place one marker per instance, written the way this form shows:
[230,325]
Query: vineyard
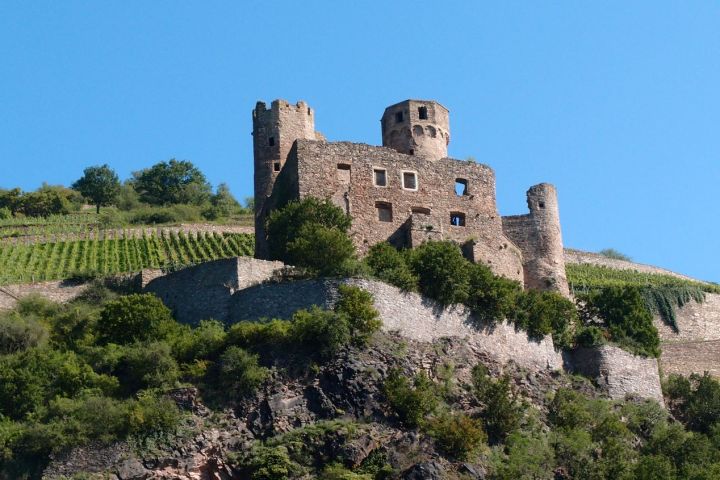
[24,263]
[663,294]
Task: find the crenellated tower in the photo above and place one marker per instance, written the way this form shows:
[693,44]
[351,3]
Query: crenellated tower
[274,133]
[417,127]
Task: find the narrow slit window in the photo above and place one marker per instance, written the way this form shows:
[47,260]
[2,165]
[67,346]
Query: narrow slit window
[380,177]
[412,151]
[541,204]
[422,113]
[384,211]
[457,219]
[271,141]
[409,180]
[276,166]
[461,187]
[399,117]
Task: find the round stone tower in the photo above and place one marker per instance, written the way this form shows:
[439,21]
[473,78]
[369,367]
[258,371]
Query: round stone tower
[417,127]
[274,133]
[546,270]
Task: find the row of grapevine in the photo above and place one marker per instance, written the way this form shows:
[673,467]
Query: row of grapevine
[65,259]
[70,219]
[582,277]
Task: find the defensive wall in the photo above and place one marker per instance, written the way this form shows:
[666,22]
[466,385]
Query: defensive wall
[250,289]
[695,346]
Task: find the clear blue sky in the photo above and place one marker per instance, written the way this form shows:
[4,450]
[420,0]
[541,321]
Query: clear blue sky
[617,103]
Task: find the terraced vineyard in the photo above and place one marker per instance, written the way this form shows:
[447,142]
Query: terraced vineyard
[105,256]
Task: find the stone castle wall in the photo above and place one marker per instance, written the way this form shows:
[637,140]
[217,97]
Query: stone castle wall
[406,131]
[409,314]
[617,371]
[205,291]
[344,172]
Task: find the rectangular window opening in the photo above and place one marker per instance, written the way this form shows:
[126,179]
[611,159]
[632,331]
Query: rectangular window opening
[461,187]
[380,177]
[399,117]
[384,211]
[276,166]
[409,180]
[457,219]
[422,112]
[271,141]
[343,173]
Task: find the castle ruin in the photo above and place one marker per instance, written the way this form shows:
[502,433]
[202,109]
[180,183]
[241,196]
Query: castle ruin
[406,191]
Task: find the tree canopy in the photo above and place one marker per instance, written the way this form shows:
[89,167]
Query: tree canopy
[99,184]
[172,182]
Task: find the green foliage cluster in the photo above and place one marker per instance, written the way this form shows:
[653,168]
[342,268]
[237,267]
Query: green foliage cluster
[106,256]
[99,184]
[662,293]
[315,333]
[79,373]
[597,439]
[439,271]
[311,233]
[625,317]
[43,202]
[502,410]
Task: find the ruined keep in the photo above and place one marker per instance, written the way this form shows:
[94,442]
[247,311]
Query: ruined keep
[406,192]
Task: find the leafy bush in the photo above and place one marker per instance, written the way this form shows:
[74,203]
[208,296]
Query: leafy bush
[390,266]
[502,412]
[411,401]
[284,225]
[338,472]
[170,183]
[457,434]
[624,314]
[590,336]
[147,365]
[240,372]
[18,333]
[260,336]
[696,400]
[543,313]
[321,250]
[321,332]
[491,297]
[133,318]
[614,254]
[151,415]
[443,272]
[356,305]
[266,463]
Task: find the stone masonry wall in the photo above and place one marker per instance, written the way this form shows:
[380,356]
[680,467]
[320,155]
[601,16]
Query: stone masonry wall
[343,172]
[204,291]
[404,131]
[617,371]
[56,291]
[410,314]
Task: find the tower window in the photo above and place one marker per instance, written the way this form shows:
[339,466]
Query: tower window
[271,141]
[457,219]
[541,204]
[380,177]
[343,173]
[422,112]
[399,117]
[461,187]
[276,166]
[409,180]
[384,211]
[412,151]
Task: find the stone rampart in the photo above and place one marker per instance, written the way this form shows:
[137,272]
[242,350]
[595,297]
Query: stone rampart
[205,291]
[57,291]
[618,372]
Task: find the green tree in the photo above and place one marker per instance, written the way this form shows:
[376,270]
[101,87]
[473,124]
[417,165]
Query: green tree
[411,401]
[135,317]
[321,250]
[390,265]
[223,204]
[240,372]
[444,273]
[99,184]
[285,225]
[172,182]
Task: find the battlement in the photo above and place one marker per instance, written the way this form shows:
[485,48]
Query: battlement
[406,191]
